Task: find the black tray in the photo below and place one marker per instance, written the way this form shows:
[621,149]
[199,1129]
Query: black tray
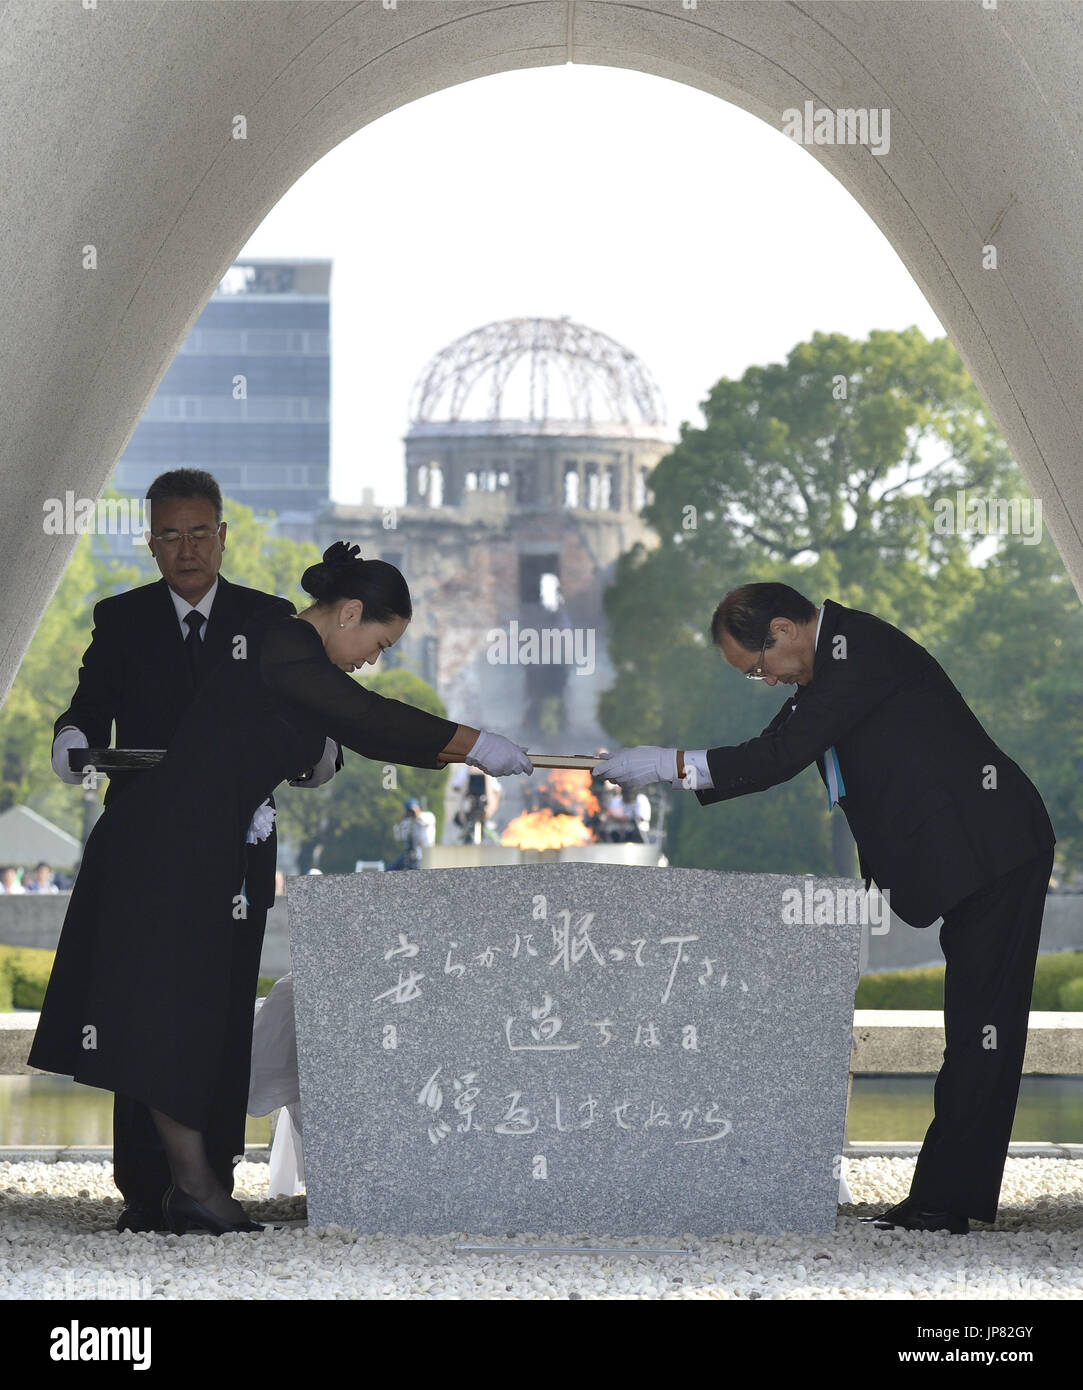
[114,759]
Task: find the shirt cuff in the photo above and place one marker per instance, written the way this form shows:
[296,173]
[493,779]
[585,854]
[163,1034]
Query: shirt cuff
[697,776]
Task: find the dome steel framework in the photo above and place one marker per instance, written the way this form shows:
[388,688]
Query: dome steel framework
[554,368]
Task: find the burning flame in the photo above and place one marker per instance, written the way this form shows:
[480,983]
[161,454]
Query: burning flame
[543,830]
[572,789]
[549,829]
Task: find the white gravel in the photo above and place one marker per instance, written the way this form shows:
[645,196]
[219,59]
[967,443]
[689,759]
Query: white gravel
[57,1241]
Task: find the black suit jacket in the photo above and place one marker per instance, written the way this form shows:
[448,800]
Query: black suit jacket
[136,675]
[936,808]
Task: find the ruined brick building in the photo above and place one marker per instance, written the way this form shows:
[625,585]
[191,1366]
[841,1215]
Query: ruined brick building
[528,456]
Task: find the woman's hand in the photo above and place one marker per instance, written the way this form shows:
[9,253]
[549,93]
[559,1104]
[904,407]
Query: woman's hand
[498,756]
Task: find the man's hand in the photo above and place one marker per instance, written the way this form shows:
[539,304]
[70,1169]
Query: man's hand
[639,767]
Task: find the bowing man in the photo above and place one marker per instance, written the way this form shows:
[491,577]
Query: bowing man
[943,819]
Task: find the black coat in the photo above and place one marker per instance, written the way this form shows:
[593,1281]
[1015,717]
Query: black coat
[136,675]
[936,808]
[144,959]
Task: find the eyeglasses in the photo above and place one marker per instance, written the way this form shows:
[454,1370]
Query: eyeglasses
[199,536]
[757,672]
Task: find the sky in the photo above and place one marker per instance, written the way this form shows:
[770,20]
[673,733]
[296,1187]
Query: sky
[692,232]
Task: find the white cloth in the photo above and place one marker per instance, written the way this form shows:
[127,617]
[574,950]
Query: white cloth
[262,823]
[275,1084]
[273,1081]
[287,1175]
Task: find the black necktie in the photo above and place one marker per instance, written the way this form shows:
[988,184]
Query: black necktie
[193,642]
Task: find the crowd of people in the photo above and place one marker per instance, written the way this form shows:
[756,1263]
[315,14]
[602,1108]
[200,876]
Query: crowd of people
[40,879]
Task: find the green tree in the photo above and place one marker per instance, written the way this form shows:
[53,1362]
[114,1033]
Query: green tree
[44,684]
[1015,655]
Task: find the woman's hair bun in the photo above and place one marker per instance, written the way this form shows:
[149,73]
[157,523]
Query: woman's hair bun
[319,580]
[341,553]
[343,574]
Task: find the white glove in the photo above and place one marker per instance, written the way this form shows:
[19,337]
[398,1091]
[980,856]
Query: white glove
[498,756]
[639,767]
[324,770]
[68,737]
[263,819]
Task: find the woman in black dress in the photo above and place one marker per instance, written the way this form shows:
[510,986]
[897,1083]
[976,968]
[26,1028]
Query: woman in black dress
[144,996]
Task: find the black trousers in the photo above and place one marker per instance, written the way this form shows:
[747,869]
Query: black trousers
[990,944]
[140,1169]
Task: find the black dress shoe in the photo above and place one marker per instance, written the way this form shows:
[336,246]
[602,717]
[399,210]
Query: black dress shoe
[907,1216]
[139,1216]
[183,1213]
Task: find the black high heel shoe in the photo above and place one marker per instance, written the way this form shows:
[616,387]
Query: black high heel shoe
[183,1213]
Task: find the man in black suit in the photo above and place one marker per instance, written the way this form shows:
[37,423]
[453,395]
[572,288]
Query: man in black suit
[150,649]
[945,823]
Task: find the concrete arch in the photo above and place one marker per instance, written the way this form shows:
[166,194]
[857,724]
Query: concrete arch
[118,122]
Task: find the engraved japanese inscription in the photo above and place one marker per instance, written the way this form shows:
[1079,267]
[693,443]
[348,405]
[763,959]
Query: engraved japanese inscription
[570,1048]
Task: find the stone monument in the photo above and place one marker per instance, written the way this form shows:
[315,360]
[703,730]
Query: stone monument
[573,1048]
